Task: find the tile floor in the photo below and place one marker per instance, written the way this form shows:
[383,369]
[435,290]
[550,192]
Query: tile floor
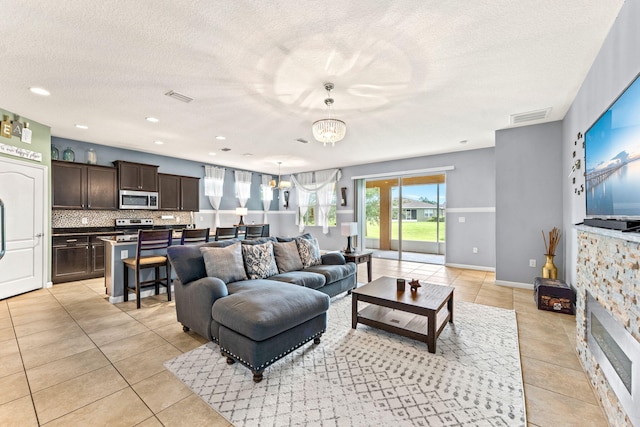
[70,358]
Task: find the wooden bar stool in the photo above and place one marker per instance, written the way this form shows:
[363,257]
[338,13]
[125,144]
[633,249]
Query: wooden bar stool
[194,235]
[225,233]
[253,232]
[149,241]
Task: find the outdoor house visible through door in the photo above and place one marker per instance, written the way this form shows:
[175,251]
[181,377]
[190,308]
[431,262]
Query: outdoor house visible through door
[405,217]
[23,243]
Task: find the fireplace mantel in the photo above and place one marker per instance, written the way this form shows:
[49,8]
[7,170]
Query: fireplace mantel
[608,268]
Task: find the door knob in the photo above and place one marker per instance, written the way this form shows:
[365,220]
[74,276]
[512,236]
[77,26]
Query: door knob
[39,234]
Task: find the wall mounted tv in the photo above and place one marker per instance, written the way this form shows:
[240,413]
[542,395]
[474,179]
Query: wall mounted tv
[612,158]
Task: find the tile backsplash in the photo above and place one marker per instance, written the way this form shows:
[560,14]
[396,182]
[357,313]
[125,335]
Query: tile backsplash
[69,218]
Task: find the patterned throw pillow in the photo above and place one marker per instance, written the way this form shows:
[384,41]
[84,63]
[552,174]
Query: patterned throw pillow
[225,263]
[259,261]
[309,252]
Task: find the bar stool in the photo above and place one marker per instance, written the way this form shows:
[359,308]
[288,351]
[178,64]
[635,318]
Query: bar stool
[253,232]
[226,233]
[194,235]
[148,241]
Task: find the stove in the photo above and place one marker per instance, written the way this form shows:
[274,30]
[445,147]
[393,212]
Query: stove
[130,227]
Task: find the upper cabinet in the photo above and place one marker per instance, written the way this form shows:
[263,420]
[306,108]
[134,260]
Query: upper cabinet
[137,176]
[78,186]
[179,192]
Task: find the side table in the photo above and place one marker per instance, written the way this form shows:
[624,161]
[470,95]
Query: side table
[359,258]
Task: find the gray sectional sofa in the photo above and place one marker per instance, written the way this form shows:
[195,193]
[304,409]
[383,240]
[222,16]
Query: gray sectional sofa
[258,299]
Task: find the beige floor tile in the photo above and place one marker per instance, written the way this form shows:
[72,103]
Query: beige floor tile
[13,387]
[18,412]
[495,291]
[94,324]
[60,399]
[91,309]
[5,322]
[150,422]
[133,345]
[7,333]
[112,333]
[506,303]
[65,369]
[43,338]
[44,325]
[39,315]
[561,355]
[546,408]
[122,408]
[568,382]
[184,341]
[161,390]
[156,317]
[143,365]
[57,350]
[10,363]
[192,412]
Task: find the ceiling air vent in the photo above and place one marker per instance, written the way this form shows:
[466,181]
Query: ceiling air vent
[530,116]
[177,95]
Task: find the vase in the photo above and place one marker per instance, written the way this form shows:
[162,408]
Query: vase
[55,153]
[69,155]
[549,270]
[92,157]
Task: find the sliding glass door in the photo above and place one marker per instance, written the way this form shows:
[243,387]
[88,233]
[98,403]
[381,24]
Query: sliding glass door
[404,216]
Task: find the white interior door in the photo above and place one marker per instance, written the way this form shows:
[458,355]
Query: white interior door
[23,244]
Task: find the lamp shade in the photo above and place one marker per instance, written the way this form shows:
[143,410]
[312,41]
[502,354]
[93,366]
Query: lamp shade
[242,211]
[349,229]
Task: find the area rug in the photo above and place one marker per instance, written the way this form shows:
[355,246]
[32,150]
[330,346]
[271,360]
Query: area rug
[367,377]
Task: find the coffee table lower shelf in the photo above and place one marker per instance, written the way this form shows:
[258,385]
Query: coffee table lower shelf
[399,322]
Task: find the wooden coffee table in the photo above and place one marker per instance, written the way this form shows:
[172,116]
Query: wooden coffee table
[421,315]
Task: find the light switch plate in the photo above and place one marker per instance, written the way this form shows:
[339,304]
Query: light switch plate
[124,254]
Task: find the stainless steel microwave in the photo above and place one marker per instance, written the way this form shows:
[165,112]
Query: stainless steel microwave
[138,199]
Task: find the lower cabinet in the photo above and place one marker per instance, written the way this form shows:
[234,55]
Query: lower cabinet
[77,258]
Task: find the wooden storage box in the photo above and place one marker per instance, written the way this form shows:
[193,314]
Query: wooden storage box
[554,295]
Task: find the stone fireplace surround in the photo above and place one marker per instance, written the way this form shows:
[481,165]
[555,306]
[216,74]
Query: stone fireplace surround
[608,268]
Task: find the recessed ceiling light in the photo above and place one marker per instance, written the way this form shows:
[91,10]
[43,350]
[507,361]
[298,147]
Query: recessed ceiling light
[82,126]
[158,142]
[39,91]
[225,149]
[221,138]
[152,120]
[247,154]
[211,153]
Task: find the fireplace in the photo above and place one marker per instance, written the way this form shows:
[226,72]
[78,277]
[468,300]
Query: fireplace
[608,319]
[618,355]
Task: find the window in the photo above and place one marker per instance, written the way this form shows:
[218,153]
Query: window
[310,216]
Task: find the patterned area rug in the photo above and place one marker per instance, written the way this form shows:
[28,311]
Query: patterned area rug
[368,377]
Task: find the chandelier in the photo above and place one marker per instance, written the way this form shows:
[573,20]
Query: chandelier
[329,131]
[280,183]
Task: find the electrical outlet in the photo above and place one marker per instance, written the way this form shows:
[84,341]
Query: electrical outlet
[461,219]
[475,250]
[85,220]
[177,219]
[124,254]
[532,263]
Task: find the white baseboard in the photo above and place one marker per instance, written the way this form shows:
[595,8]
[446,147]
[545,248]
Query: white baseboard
[48,285]
[145,293]
[470,267]
[514,284]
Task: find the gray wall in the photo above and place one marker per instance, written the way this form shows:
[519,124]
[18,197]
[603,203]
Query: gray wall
[470,193]
[617,63]
[528,198]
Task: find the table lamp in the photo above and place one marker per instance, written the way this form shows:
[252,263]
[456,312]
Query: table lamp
[349,229]
[241,212]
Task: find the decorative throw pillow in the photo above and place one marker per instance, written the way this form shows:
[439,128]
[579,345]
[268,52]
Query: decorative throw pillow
[309,251]
[259,260]
[287,256]
[225,263]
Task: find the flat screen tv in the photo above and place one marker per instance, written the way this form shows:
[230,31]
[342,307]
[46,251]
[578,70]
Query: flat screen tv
[612,158]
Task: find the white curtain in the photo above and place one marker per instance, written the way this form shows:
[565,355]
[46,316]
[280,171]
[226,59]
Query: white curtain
[267,197]
[243,186]
[325,194]
[324,187]
[213,187]
[304,187]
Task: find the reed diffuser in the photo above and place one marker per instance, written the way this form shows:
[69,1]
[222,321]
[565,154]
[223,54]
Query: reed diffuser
[549,270]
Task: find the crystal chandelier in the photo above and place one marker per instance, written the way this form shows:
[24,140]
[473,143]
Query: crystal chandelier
[329,131]
[280,183]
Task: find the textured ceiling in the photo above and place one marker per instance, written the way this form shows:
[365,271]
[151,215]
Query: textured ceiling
[412,77]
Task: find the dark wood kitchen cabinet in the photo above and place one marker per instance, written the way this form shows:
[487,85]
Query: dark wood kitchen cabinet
[137,176]
[78,186]
[77,258]
[179,193]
